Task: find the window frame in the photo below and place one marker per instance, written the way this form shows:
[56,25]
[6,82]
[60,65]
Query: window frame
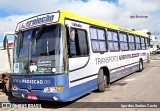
[138,42]
[113,41]
[98,28]
[87,43]
[147,46]
[123,41]
[132,42]
[143,43]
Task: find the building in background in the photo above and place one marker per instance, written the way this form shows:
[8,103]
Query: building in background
[153,40]
[153,44]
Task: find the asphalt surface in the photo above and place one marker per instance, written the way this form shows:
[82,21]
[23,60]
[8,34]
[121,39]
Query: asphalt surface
[138,87]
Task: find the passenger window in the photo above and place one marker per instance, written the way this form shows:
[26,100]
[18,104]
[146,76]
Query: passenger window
[143,43]
[147,43]
[113,40]
[77,45]
[123,41]
[98,40]
[131,40]
[138,43]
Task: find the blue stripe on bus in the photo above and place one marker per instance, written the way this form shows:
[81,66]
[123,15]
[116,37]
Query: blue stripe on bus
[68,94]
[124,72]
[83,78]
[82,89]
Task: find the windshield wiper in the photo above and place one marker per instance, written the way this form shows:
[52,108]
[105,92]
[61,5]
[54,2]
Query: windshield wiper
[37,36]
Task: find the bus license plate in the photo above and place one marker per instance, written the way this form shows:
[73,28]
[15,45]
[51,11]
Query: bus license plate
[31,97]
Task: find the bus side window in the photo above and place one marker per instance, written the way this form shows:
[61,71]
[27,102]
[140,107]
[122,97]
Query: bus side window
[98,39]
[147,43]
[143,43]
[113,40]
[77,43]
[138,43]
[123,41]
[131,40]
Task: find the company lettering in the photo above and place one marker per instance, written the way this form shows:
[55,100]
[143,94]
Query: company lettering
[106,59]
[117,58]
[37,21]
[31,81]
[76,25]
[127,56]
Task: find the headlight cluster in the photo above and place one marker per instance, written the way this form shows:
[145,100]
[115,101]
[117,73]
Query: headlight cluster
[14,87]
[53,89]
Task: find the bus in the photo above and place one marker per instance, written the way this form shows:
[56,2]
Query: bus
[62,56]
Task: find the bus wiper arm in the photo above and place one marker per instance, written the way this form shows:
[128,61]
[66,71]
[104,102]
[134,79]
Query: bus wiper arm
[37,36]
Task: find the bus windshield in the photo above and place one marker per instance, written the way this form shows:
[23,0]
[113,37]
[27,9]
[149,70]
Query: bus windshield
[39,51]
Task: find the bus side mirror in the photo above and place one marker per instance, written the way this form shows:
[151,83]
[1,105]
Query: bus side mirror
[4,42]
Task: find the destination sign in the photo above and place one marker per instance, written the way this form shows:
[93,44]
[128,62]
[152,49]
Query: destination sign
[38,20]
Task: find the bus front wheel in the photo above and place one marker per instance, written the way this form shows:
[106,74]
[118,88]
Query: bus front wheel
[102,81]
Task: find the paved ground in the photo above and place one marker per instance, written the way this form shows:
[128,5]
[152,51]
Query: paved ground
[138,87]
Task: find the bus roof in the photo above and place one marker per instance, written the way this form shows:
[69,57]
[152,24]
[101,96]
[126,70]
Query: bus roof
[62,15]
[73,16]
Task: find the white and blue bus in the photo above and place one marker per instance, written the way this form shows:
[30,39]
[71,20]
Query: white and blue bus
[62,56]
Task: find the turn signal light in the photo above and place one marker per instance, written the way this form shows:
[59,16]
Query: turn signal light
[59,88]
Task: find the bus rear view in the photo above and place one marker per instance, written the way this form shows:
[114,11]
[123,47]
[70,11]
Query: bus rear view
[39,69]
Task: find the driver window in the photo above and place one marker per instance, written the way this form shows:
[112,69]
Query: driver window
[77,43]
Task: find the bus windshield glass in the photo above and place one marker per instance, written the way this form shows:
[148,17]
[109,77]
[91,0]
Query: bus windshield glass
[39,51]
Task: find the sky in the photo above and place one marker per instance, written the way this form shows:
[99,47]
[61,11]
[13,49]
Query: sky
[132,14]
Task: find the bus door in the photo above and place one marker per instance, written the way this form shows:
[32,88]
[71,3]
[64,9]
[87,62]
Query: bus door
[78,55]
[77,49]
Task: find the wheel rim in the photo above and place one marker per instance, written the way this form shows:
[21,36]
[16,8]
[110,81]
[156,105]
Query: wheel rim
[140,65]
[105,80]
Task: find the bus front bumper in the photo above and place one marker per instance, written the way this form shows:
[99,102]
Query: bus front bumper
[51,87]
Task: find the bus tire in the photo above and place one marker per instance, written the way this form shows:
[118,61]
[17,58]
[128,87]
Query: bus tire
[140,66]
[102,81]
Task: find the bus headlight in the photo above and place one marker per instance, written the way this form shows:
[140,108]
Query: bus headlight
[49,89]
[14,87]
[53,89]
